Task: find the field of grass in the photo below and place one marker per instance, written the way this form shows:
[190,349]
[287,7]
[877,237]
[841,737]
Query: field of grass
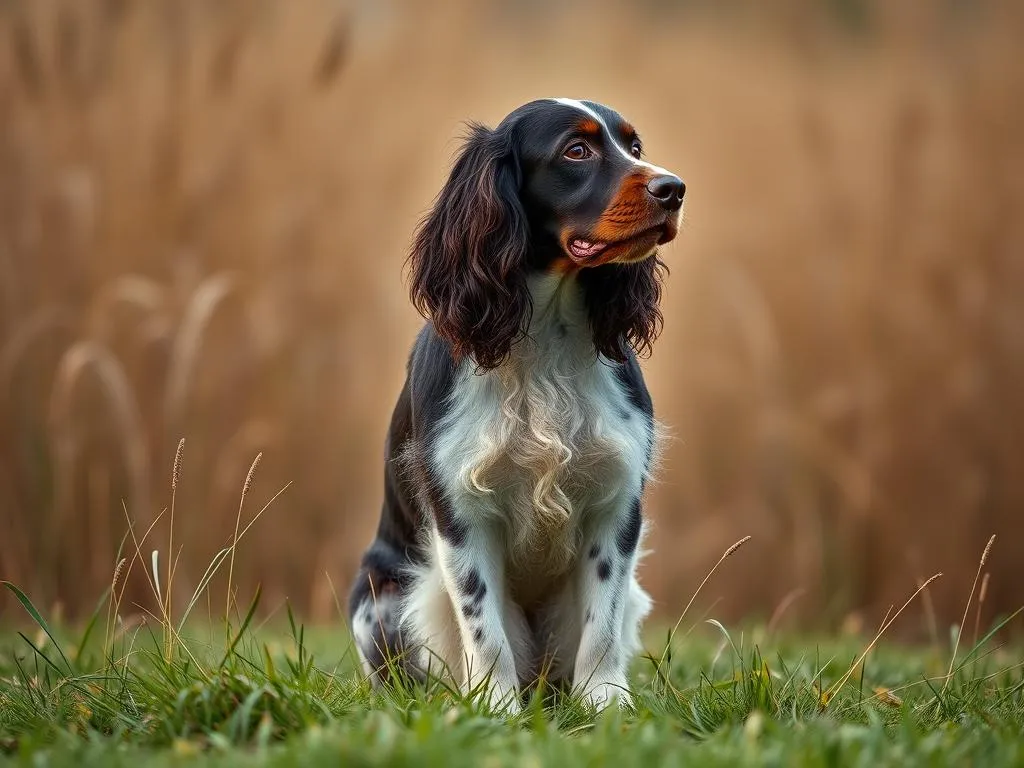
[156,689]
[285,699]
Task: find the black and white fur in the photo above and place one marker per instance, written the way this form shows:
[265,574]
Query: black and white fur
[509,538]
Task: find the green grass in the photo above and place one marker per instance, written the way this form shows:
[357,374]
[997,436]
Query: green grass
[174,690]
[279,697]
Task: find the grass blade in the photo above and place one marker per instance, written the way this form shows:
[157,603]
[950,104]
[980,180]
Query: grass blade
[38,619]
[245,625]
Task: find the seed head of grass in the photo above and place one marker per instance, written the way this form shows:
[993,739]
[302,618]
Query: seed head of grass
[176,472]
[238,521]
[249,476]
[984,554]
[838,685]
[725,556]
[967,608]
[117,574]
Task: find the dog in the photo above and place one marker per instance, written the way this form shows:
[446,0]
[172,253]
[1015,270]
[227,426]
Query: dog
[522,440]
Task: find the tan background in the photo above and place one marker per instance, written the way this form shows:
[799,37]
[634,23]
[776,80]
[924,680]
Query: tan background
[205,206]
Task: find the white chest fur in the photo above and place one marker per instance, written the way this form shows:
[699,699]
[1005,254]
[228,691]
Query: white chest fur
[545,444]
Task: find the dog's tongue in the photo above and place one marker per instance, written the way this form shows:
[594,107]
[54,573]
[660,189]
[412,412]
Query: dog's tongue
[583,249]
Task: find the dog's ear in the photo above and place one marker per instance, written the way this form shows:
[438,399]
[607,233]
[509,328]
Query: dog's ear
[623,306]
[467,264]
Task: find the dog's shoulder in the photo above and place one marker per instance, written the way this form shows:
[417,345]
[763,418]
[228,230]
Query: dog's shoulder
[432,371]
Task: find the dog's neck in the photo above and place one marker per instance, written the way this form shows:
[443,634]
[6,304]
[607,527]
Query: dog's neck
[558,323]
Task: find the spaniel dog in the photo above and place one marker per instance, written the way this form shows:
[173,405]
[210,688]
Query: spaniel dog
[519,447]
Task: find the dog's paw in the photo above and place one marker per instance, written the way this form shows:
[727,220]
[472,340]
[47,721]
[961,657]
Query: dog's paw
[604,695]
[505,699]
[510,704]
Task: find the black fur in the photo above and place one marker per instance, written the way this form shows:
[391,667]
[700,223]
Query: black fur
[629,532]
[513,204]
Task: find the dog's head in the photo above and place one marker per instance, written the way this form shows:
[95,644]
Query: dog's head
[558,185]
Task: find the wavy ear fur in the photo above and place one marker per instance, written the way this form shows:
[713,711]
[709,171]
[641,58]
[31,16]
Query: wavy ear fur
[623,305]
[467,264]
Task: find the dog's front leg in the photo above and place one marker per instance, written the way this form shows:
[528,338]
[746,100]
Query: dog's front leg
[603,577]
[472,567]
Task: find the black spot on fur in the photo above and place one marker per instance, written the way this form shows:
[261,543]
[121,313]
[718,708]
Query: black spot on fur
[473,586]
[478,635]
[470,582]
[594,552]
[604,570]
[589,617]
[472,610]
[451,529]
[629,532]
[384,647]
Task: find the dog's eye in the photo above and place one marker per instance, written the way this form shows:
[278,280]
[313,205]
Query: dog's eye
[578,151]
[636,150]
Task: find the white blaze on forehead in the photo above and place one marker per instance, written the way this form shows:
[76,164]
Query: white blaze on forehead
[579,105]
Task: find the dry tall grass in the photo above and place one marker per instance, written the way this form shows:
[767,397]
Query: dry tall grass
[204,208]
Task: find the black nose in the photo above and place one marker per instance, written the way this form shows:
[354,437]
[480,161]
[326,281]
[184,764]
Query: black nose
[668,191]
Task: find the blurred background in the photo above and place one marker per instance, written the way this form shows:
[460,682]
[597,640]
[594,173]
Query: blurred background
[205,208]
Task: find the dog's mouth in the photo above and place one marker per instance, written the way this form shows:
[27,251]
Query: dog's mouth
[586,251]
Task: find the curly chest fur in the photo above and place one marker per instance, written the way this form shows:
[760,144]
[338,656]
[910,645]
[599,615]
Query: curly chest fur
[545,444]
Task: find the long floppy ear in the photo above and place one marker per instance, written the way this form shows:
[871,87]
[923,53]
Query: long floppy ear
[622,303]
[467,265]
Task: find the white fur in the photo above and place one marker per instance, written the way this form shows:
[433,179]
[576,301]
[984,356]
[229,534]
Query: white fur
[540,460]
